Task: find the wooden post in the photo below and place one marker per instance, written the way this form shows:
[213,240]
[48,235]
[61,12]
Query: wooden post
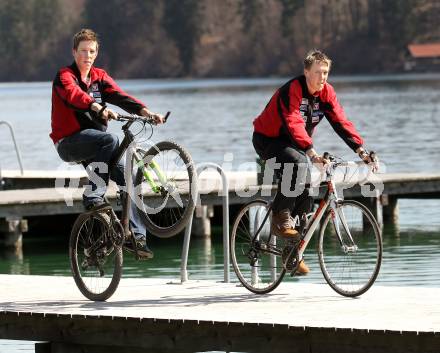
[202,221]
[375,206]
[11,231]
[390,209]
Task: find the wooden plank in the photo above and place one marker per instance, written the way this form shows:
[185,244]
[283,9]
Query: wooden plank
[206,315]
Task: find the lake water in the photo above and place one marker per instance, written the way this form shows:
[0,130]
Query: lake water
[397,115]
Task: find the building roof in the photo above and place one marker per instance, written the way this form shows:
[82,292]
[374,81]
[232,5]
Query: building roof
[431,50]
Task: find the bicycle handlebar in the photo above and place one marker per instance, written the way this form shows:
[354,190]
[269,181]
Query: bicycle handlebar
[144,119]
[336,162]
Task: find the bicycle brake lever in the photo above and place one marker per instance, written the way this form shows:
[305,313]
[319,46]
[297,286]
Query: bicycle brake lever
[166,117]
[328,156]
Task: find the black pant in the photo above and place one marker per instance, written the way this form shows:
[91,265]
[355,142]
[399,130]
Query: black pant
[293,172]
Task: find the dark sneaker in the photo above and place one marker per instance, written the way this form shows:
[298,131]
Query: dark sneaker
[142,248]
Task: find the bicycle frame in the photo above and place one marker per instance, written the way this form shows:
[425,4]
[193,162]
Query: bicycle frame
[261,259]
[329,201]
[129,148]
[140,163]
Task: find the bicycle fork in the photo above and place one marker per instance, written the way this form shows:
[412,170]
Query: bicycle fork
[142,165]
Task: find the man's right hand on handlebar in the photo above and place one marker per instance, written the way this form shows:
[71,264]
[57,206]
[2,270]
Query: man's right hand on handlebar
[158,118]
[316,159]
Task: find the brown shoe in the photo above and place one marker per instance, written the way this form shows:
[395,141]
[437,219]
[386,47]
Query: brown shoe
[282,225]
[302,269]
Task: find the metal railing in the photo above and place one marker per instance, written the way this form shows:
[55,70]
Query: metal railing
[186,241]
[17,151]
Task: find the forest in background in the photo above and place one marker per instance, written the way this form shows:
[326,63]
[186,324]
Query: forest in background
[213,38]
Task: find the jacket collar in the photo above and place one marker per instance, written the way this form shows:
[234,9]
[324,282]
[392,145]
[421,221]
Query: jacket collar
[75,70]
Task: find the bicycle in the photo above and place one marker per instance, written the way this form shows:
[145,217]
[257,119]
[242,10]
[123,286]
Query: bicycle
[349,245]
[165,187]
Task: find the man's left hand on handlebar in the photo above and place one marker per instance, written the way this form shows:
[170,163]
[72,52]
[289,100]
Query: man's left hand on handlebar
[103,112]
[158,118]
[369,158]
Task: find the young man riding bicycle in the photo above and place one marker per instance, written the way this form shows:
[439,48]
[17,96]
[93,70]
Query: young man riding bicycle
[79,123]
[284,131]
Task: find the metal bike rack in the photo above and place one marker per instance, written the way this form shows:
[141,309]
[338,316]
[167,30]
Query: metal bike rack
[17,151]
[186,241]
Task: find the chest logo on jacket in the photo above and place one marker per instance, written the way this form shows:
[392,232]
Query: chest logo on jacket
[95,93]
[316,114]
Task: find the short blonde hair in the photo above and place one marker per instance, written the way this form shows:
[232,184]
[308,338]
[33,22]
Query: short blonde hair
[316,56]
[84,35]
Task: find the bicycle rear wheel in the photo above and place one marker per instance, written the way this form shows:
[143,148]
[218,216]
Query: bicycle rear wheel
[167,209]
[258,265]
[350,267]
[95,261]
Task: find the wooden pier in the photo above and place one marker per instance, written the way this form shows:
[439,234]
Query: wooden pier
[35,194]
[159,315]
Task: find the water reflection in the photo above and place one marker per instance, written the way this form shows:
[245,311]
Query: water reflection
[17,263]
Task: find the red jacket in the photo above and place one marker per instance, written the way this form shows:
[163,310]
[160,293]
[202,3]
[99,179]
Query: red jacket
[72,98]
[294,112]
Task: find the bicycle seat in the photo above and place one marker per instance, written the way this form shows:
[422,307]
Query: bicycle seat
[100,206]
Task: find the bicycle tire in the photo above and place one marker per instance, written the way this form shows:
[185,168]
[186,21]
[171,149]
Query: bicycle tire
[256,269]
[167,214]
[93,230]
[350,272]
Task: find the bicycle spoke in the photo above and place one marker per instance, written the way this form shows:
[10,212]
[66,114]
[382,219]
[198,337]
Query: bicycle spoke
[258,263]
[96,262]
[351,267]
[167,211]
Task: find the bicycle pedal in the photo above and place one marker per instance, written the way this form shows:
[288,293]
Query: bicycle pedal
[137,255]
[142,258]
[291,267]
[128,248]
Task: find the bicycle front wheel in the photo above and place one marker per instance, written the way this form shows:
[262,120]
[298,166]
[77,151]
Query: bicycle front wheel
[95,261]
[350,263]
[257,263]
[167,188]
